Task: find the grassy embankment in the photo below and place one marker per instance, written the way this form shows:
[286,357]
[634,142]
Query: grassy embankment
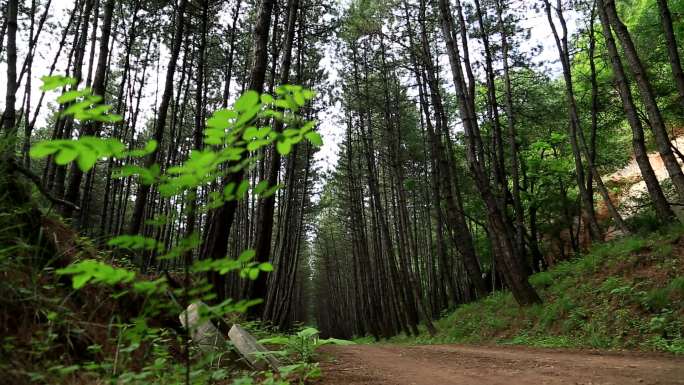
[625,294]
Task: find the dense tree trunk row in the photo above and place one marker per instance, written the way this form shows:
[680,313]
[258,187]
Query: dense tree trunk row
[441,180]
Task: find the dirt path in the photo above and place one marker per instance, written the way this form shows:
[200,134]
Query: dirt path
[470,365]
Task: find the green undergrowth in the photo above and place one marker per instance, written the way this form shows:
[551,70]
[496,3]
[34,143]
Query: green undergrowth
[624,294]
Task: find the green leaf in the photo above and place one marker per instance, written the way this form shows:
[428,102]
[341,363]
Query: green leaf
[250,133]
[150,287]
[257,144]
[65,156]
[260,187]
[289,132]
[278,340]
[135,242]
[242,189]
[228,190]
[271,191]
[77,109]
[263,132]
[147,176]
[314,138]
[284,147]
[109,118]
[266,267]
[51,316]
[266,99]
[247,101]
[42,149]
[248,115]
[57,81]
[150,146]
[334,341]
[308,332]
[70,96]
[96,271]
[284,104]
[299,99]
[253,274]
[86,160]
[308,126]
[277,115]
[247,255]
[79,281]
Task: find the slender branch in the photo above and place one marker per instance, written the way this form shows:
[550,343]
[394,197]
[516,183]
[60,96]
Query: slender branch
[39,184]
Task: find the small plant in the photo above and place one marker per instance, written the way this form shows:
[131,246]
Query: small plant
[541,280]
[303,345]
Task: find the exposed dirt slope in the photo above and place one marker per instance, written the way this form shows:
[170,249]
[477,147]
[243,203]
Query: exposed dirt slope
[470,365]
[633,185]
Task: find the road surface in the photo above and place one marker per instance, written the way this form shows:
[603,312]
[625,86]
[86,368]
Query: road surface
[475,365]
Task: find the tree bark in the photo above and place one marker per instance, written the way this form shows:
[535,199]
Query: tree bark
[9,115]
[574,127]
[516,275]
[647,96]
[143,189]
[662,207]
[65,126]
[672,50]
[267,205]
[216,241]
[92,128]
[231,53]
[512,132]
[199,119]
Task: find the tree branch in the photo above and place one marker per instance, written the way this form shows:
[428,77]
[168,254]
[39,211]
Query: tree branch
[44,191]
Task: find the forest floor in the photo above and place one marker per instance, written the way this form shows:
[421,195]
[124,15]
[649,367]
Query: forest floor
[505,365]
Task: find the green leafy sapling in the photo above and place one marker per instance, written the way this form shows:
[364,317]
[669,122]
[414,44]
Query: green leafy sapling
[303,345]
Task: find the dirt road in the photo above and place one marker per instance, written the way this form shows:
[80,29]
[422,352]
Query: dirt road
[469,365]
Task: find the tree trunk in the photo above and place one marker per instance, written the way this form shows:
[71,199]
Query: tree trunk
[231,53]
[574,127]
[662,207]
[143,189]
[672,49]
[590,152]
[199,119]
[92,128]
[512,134]
[267,205]
[516,275]
[9,115]
[216,241]
[65,125]
[647,97]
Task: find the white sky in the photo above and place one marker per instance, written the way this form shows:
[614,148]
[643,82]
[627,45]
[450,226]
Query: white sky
[330,128]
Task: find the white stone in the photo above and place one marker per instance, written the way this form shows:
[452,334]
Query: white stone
[251,350]
[202,332]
